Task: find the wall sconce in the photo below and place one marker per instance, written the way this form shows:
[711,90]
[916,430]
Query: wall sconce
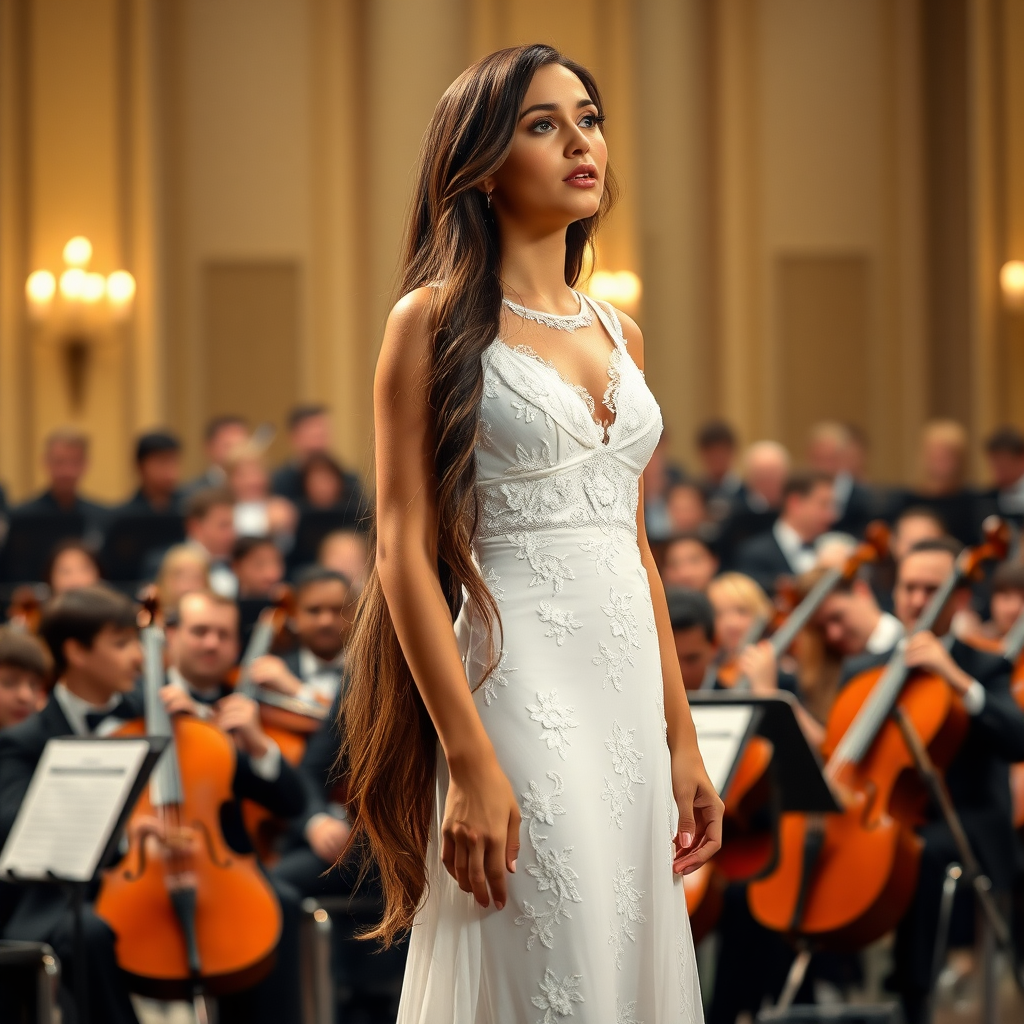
[1011,280]
[621,288]
[77,286]
[81,292]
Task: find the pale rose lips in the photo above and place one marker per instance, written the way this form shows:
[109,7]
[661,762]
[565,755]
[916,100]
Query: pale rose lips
[584,176]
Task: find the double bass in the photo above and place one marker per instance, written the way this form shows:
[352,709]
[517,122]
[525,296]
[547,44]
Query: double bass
[192,916]
[846,879]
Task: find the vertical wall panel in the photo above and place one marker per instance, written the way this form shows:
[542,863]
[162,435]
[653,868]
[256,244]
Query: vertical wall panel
[250,336]
[823,326]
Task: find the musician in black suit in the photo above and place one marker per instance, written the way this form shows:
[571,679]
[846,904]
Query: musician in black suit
[158,464]
[65,459]
[756,503]
[93,638]
[830,450]
[787,549]
[222,436]
[203,647]
[977,778]
[1004,450]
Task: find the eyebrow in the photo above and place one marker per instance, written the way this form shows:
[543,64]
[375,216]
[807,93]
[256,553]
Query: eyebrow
[588,102]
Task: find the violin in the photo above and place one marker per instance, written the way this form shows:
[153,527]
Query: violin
[192,916]
[846,879]
[25,608]
[287,720]
[748,851]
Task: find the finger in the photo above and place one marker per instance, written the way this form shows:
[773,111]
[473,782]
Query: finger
[477,873]
[462,862]
[687,824]
[448,853]
[494,870]
[512,841]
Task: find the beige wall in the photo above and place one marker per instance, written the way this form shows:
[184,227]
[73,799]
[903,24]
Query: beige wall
[774,157]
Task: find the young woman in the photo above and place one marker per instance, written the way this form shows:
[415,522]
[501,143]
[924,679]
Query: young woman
[512,426]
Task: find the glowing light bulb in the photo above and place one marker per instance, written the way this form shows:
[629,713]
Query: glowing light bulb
[72,284]
[94,287]
[78,251]
[1011,280]
[40,287]
[120,288]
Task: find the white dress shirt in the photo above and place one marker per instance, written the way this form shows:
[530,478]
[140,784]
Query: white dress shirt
[320,679]
[75,709]
[801,559]
[886,635]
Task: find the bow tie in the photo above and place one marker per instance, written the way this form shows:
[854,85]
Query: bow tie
[94,718]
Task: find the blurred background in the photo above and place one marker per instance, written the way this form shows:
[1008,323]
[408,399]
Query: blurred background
[819,199]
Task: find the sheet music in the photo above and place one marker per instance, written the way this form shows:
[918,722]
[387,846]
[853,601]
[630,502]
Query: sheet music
[73,803]
[720,732]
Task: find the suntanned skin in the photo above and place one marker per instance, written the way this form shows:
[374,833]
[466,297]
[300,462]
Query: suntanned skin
[533,205]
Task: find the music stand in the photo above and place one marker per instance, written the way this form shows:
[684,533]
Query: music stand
[798,769]
[78,886]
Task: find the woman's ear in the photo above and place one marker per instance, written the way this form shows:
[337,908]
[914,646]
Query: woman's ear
[486,186]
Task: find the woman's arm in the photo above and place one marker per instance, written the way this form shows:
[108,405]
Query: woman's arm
[480,833]
[700,807]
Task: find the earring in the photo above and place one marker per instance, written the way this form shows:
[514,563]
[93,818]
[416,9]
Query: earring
[488,194]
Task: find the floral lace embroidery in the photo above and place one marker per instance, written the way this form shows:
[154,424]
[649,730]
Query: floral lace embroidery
[492,579]
[555,719]
[551,869]
[558,996]
[547,568]
[626,764]
[498,677]
[603,551]
[627,906]
[625,1013]
[560,623]
[615,663]
[623,620]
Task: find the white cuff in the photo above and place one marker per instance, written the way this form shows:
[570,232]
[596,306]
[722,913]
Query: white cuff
[268,767]
[974,698]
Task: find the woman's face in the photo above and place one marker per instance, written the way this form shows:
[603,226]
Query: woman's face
[732,620]
[554,173]
[185,578]
[72,570]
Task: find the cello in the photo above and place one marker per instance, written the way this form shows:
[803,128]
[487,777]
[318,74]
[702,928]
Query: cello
[846,879]
[748,852]
[191,915]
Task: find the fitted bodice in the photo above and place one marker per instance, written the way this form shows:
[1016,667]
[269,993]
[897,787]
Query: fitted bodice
[543,462]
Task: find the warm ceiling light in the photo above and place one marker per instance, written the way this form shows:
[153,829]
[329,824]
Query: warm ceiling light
[94,287]
[78,251]
[1011,280]
[619,287]
[40,287]
[72,284]
[120,288]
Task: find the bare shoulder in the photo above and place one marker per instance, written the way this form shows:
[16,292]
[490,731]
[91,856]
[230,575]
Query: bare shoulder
[406,337]
[633,335]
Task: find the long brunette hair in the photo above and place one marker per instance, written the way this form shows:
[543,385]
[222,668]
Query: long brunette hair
[390,745]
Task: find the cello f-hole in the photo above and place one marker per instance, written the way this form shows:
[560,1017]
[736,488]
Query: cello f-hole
[201,828]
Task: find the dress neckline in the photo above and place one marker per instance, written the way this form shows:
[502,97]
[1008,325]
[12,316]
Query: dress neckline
[613,372]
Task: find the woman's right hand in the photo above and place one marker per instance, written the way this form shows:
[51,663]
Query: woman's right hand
[480,830]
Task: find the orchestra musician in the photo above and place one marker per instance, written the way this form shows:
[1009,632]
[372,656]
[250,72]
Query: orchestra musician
[203,648]
[977,778]
[92,636]
[787,549]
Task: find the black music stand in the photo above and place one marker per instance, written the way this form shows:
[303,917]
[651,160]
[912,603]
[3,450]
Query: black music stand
[77,888]
[797,766]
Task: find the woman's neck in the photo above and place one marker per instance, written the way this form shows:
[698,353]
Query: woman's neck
[533,270]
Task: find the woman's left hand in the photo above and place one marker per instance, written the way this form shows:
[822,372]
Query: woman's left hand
[700,813]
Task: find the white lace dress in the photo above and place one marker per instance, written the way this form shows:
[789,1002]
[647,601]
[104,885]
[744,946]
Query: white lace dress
[596,928]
